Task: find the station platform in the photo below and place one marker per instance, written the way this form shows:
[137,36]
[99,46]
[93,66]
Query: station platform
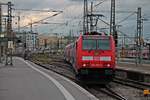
[27,81]
[131,66]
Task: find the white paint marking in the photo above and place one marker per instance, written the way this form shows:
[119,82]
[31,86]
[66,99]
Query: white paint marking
[92,97]
[67,95]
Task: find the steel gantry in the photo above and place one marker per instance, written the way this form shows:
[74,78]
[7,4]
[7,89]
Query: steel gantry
[0,31]
[112,22]
[90,19]
[0,19]
[139,37]
[9,36]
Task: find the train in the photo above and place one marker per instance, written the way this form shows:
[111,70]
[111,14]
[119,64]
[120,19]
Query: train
[132,53]
[92,57]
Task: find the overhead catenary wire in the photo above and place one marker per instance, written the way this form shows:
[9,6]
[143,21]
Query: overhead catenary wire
[71,20]
[59,12]
[37,10]
[126,18]
[41,20]
[74,19]
[117,11]
[117,30]
[121,21]
[100,3]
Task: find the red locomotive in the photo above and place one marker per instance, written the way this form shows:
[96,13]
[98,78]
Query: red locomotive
[92,57]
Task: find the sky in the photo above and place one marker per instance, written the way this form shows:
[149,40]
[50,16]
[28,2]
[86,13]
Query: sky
[71,18]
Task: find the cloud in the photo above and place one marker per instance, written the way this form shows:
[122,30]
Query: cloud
[33,4]
[74,9]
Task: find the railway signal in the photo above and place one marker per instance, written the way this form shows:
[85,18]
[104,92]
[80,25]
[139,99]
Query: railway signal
[112,23]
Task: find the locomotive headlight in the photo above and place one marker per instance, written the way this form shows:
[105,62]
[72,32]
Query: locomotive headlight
[108,65]
[84,65]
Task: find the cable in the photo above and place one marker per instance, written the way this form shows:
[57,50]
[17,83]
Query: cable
[94,6]
[108,11]
[100,3]
[117,30]
[36,10]
[71,20]
[104,22]
[41,20]
[126,18]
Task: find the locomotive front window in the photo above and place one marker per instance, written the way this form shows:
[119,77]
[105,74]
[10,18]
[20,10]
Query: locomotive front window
[89,44]
[103,44]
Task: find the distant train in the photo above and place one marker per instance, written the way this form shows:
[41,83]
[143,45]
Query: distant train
[145,53]
[92,57]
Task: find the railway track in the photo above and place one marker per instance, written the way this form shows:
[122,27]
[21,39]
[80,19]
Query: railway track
[65,69]
[131,83]
[106,90]
[52,68]
[126,82]
[115,94]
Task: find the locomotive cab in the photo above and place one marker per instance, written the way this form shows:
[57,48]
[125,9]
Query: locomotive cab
[92,57]
[96,58]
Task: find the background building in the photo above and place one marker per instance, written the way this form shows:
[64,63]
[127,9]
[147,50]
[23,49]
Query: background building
[49,43]
[28,40]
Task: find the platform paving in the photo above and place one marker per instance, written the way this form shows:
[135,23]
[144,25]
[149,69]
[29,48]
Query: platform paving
[27,81]
[143,68]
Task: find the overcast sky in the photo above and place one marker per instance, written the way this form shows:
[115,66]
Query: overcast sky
[72,14]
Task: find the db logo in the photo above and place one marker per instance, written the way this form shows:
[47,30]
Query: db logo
[96,53]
